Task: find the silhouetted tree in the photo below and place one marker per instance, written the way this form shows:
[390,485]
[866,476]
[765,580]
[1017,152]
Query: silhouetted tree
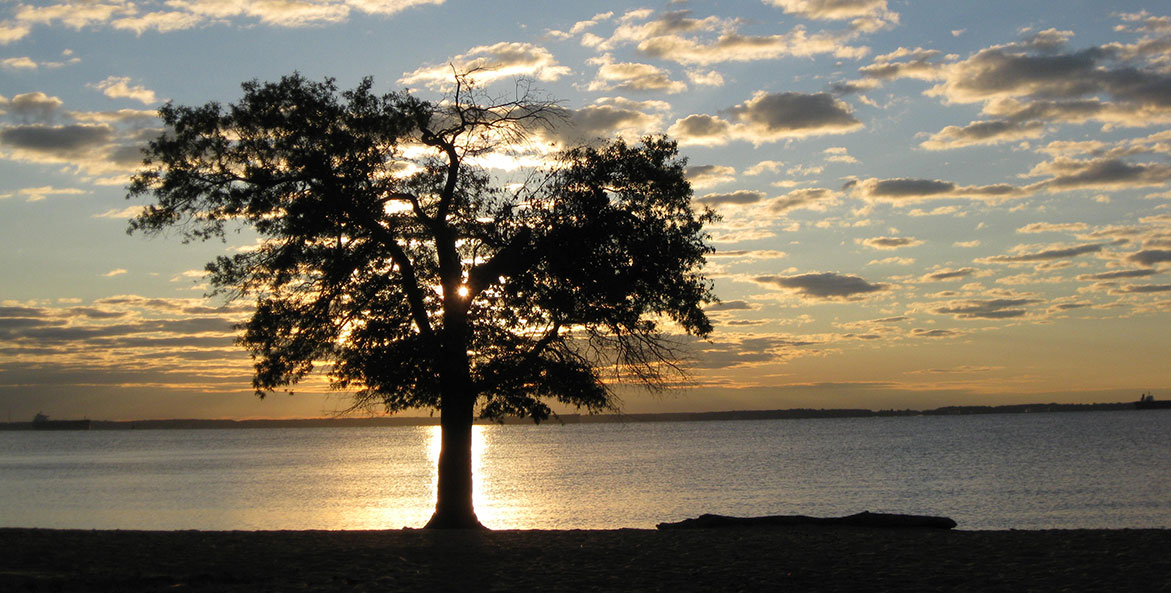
[411,275]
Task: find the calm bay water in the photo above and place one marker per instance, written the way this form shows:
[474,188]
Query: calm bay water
[1025,471]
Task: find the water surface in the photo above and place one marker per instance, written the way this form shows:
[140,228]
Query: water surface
[1023,471]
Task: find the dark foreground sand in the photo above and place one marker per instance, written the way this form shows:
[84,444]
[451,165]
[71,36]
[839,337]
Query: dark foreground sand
[748,559]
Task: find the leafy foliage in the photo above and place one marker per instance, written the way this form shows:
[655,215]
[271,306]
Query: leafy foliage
[405,270]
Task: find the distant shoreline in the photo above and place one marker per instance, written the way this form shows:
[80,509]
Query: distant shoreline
[788,414]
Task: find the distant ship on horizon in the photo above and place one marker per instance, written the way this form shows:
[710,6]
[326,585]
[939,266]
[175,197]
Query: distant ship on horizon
[42,422]
[1147,401]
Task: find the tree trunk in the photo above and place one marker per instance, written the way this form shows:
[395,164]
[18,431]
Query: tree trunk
[454,508]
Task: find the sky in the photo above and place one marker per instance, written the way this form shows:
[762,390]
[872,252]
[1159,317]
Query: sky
[923,203]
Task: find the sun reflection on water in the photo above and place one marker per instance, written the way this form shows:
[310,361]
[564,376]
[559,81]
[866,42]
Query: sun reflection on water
[493,513]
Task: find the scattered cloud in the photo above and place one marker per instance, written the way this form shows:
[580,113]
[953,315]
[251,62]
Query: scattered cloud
[581,27]
[1150,257]
[20,63]
[904,63]
[837,9]
[826,286]
[36,194]
[909,190]
[947,274]
[987,309]
[120,87]
[888,242]
[984,133]
[769,117]
[1046,227]
[810,198]
[1143,289]
[40,130]
[935,333]
[1104,173]
[178,15]
[1049,254]
[892,261]
[486,63]
[1118,274]
[702,176]
[736,198]
[630,76]
[764,166]
[121,213]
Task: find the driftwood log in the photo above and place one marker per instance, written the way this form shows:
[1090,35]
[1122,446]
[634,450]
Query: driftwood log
[863,519]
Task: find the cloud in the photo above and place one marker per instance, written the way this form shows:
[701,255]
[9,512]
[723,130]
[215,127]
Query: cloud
[762,166]
[891,261]
[1038,78]
[812,198]
[909,190]
[826,286]
[838,154]
[89,149]
[681,38]
[123,342]
[836,9]
[1150,257]
[742,351]
[581,26]
[30,108]
[773,116]
[1147,23]
[749,254]
[607,117]
[19,63]
[904,63]
[709,175]
[1104,173]
[1046,254]
[987,309]
[935,333]
[121,213]
[1143,289]
[737,198]
[769,117]
[734,47]
[1118,274]
[1045,227]
[601,120]
[119,87]
[730,306]
[888,242]
[703,130]
[60,142]
[983,133]
[10,31]
[634,26]
[176,15]
[947,274]
[709,78]
[491,62]
[630,76]
[36,194]
[92,143]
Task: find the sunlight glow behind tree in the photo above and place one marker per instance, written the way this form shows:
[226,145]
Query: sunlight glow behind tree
[415,279]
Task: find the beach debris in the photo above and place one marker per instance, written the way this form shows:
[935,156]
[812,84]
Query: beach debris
[863,519]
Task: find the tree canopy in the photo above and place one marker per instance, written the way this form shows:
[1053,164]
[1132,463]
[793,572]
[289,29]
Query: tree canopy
[414,277]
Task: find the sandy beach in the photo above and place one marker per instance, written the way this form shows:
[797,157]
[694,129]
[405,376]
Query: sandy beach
[743,559]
